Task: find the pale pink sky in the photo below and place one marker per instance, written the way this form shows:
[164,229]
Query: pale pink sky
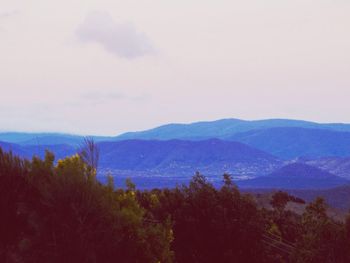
[105,67]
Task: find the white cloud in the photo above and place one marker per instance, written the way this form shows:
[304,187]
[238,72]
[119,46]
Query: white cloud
[245,59]
[121,39]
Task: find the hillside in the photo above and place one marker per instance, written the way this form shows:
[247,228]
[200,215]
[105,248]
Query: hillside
[178,157]
[337,166]
[295,176]
[27,151]
[292,142]
[36,139]
[223,129]
[58,207]
[165,158]
[286,139]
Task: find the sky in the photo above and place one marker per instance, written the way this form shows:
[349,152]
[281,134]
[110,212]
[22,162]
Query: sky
[104,67]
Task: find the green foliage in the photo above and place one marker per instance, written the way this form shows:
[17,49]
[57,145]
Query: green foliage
[322,239]
[72,217]
[280,200]
[14,190]
[209,225]
[59,212]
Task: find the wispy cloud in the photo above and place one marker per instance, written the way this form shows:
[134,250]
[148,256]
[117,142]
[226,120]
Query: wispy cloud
[8,13]
[121,39]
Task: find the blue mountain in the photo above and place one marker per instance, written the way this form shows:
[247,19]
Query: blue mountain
[286,139]
[179,157]
[23,138]
[293,142]
[296,176]
[174,157]
[223,129]
[28,151]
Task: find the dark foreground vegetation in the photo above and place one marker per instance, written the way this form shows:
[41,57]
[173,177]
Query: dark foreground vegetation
[60,213]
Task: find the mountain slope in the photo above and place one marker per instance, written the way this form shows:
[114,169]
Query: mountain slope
[47,138]
[296,176]
[178,157]
[28,151]
[175,157]
[337,166]
[288,142]
[222,129]
[14,148]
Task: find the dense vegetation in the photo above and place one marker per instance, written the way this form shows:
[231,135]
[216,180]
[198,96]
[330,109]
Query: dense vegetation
[59,212]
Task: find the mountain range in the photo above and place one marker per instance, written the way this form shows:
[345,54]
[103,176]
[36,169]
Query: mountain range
[180,157]
[168,158]
[224,129]
[293,142]
[285,139]
[270,153]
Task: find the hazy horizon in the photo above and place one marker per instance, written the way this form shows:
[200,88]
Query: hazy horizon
[107,67]
[152,127]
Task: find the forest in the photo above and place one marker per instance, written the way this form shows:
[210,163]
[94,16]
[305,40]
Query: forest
[57,211]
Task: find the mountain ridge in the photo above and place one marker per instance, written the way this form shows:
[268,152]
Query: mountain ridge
[173,157]
[223,128]
[201,130]
[294,142]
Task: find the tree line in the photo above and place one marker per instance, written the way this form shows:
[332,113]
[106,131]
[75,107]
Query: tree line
[59,212]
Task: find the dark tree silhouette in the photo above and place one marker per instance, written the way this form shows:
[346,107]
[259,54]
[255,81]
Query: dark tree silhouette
[90,154]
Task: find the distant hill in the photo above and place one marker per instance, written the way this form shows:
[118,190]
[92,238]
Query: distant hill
[46,138]
[15,137]
[54,139]
[179,157]
[292,142]
[16,149]
[155,163]
[27,151]
[295,176]
[165,158]
[286,139]
[223,129]
[337,166]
